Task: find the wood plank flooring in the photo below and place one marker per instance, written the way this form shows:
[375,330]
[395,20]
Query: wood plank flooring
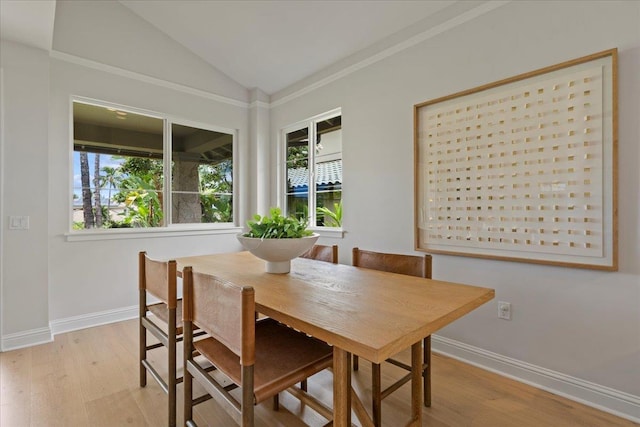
[90,378]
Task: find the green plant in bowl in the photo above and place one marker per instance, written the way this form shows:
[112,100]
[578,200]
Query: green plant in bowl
[277,239]
[276,226]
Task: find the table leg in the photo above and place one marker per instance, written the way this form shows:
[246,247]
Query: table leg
[341,388]
[416,383]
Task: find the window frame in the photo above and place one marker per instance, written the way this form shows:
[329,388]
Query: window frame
[311,125]
[169,229]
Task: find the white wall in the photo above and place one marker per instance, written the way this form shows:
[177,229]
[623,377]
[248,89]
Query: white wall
[24,167]
[581,324]
[257,200]
[51,284]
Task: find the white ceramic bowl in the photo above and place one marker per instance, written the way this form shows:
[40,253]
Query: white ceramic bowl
[278,253]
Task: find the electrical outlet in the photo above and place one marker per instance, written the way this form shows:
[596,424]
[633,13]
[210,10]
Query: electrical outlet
[504,310]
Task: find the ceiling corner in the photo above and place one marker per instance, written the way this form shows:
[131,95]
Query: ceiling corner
[28,22]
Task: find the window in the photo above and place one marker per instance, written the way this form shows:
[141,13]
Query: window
[124,163]
[313,151]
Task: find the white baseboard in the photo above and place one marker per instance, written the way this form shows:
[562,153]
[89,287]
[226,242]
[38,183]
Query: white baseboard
[75,323]
[606,399]
[69,324]
[26,339]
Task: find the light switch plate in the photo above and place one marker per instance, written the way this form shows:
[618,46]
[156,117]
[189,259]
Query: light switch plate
[18,223]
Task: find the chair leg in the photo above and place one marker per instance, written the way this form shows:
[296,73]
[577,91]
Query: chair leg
[426,374]
[303,385]
[142,354]
[247,396]
[355,362]
[172,374]
[276,402]
[172,391]
[187,378]
[376,394]
[188,395]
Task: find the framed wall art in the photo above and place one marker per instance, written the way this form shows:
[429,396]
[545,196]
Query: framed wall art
[522,169]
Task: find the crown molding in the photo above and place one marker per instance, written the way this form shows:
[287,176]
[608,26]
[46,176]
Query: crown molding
[259,104]
[399,47]
[144,78]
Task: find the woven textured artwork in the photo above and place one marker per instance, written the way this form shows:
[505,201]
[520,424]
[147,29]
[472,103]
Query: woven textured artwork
[518,171]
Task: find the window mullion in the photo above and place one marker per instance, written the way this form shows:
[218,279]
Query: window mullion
[312,173]
[167,161]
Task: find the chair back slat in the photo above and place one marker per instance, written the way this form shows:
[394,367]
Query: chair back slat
[322,253]
[158,278]
[224,310]
[412,265]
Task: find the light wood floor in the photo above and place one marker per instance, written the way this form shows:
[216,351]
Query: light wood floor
[90,378]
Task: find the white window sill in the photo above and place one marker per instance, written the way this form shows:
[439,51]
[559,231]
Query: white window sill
[331,232]
[146,233]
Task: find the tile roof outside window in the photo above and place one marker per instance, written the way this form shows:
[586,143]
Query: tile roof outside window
[326,173]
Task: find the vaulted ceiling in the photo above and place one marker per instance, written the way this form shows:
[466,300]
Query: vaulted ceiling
[260,44]
[272,44]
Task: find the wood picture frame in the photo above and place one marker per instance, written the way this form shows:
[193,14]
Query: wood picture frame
[523,169]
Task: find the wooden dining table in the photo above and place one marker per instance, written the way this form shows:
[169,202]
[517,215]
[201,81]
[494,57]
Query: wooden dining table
[359,311]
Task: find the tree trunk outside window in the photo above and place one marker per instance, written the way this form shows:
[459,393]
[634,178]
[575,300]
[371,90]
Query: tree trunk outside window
[186,196]
[86,190]
[97,193]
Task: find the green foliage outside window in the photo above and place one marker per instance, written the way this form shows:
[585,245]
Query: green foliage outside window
[331,218]
[137,185]
[216,188]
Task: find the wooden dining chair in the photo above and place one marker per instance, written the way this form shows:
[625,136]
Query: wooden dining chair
[322,253]
[263,357]
[157,279]
[413,265]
